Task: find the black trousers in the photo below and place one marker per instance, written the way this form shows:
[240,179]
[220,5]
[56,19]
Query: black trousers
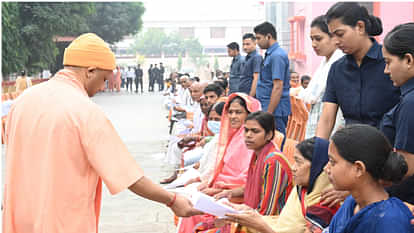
[122,83]
[129,84]
[151,84]
[160,84]
[138,81]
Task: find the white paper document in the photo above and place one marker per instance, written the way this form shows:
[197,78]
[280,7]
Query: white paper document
[209,205]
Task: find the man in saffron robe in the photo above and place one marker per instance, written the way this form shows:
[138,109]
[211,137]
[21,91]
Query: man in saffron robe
[61,146]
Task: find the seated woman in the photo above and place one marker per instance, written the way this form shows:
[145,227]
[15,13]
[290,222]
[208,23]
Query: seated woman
[203,156]
[193,154]
[359,157]
[233,157]
[269,179]
[303,210]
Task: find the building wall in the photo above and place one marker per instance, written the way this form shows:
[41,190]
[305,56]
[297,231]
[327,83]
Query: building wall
[235,16]
[278,13]
[386,11]
[310,11]
[394,13]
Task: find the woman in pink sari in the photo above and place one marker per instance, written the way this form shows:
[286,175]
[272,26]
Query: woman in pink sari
[233,156]
[269,179]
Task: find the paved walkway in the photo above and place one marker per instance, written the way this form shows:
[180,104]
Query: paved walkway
[140,120]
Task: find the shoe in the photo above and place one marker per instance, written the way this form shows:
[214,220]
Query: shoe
[169,179]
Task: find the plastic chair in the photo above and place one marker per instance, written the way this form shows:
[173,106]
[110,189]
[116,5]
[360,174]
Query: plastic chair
[278,138]
[5,96]
[289,150]
[3,129]
[297,120]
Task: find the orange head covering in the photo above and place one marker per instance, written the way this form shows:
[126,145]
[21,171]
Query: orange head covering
[89,50]
[226,132]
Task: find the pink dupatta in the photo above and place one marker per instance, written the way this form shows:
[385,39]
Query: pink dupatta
[254,181]
[233,157]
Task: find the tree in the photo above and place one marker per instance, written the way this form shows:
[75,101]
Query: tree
[41,22]
[179,62]
[195,52]
[12,59]
[30,29]
[114,20]
[156,41]
[216,64]
[150,43]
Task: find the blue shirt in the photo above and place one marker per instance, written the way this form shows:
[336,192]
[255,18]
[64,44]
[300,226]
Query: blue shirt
[235,73]
[390,215]
[275,66]
[252,64]
[363,93]
[398,124]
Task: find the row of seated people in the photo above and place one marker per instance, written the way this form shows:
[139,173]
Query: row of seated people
[245,162]
[187,131]
[6,100]
[18,86]
[248,166]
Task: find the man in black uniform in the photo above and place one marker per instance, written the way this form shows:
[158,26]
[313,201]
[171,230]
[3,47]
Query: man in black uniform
[138,78]
[150,79]
[161,77]
[156,76]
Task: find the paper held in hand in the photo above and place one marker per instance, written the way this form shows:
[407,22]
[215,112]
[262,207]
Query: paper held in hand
[209,205]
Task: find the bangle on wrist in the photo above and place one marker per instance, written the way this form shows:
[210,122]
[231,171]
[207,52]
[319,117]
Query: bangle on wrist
[171,203]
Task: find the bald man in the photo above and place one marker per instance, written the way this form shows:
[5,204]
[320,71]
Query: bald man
[61,146]
[184,95]
[184,128]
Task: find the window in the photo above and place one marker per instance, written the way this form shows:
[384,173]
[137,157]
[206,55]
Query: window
[217,32]
[297,36]
[186,32]
[215,50]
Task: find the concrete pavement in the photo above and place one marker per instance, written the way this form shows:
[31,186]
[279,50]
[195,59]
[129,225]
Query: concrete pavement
[140,121]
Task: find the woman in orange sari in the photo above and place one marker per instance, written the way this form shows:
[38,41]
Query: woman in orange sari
[117,81]
[269,179]
[233,157]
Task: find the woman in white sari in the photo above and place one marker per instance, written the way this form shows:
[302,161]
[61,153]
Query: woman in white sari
[323,45]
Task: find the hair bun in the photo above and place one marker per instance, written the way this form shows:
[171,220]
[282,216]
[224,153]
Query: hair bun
[394,168]
[375,27]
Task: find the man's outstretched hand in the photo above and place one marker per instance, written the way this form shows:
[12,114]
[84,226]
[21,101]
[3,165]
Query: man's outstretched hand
[183,207]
